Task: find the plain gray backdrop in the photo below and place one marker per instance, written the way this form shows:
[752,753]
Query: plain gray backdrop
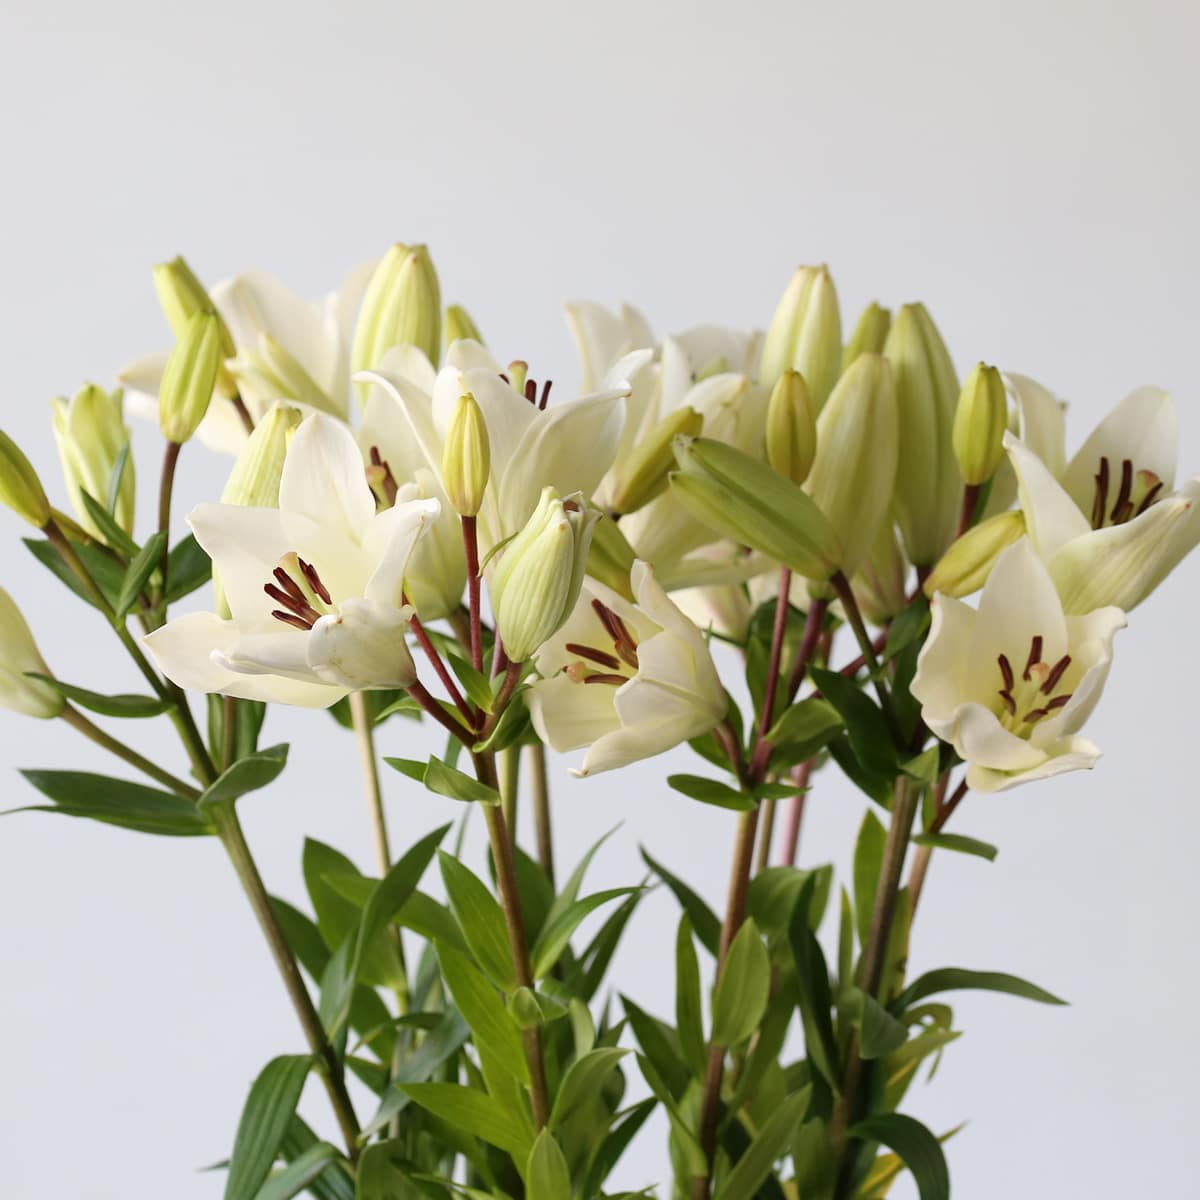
[1028,170]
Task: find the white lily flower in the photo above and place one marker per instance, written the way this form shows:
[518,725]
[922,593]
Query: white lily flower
[18,655]
[1111,528]
[1010,684]
[315,587]
[627,680]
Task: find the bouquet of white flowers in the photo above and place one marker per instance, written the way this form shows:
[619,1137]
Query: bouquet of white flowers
[412,528]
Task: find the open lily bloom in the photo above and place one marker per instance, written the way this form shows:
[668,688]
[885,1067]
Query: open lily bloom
[1010,684]
[1111,527]
[627,680]
[315,588]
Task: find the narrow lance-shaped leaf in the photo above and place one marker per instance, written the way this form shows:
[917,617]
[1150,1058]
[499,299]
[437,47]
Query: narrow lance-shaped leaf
[916,1145]
[742,989]
[268,1111]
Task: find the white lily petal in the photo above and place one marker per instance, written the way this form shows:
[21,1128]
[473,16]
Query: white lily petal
[1182,540]
[1071,754]
[362,646]
[942,667]
[1040,423]
[417,408]
[1091,637]
[568,715]
[980,738]
[323,478]
[1051,516]
[507,415]
[144,374]
[467,354]
[390,539]
[626,745]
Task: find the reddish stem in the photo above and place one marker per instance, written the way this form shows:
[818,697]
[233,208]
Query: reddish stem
[791,836]
[471,547]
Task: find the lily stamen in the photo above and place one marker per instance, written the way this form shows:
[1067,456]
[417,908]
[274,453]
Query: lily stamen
[1035,656]
[596,656]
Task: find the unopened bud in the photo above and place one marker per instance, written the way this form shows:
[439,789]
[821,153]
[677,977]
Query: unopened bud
[980,422]
[869,334]
[19,657]
[181,296]
[643,473]
[791,428]
[92,436]
[456,325]
[20,487]
[402,306]
[538,578]
[466,457]
[806,334]
[189,378]
[964,568]
[731,493]
[610,557]
[254,480]
[881,584]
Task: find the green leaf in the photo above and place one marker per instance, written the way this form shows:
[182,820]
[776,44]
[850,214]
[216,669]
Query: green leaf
[711,791]
[812,981]
[116,802]
[742,990]
[108,572]
[269,1109]
[112,533]
[920,1150]
[609,1152]
[188,568]
[926,767]
[689,1147]
[547,1176]
[480,1004]
[477,1113]
[334,1183]
[481,920]
[956,979]
[556,936]
[775,892]
[476,685]
[769,1145]
[660,1047]
[246,775]
[115,476]
[907,627]
[446,780]
[803,730]
[570,890]
[879,1032]
[144,564]
[381,1175]
[298,1174]
[108,706]
[704,920]
[869,734]
[868,863]
[584,1078]
[958,842]
[689,1012]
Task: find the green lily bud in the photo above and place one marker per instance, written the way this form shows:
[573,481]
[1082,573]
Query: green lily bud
[254,480]
[466,457]
[19,656]
[20,487]
[881,582]
[853,477]
[791,428]
[91,434]
[181,296]
[401,306]
[980,422]
[964,568]
[456,325]
[869,334]
[643,473]
[806,334]
[610,557]
[731,493]
[189,378]
[928,486]
[540,573]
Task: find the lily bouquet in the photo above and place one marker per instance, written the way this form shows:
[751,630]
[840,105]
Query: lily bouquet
[759,547]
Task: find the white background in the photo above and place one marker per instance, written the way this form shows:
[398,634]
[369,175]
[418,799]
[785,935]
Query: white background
[1027,169]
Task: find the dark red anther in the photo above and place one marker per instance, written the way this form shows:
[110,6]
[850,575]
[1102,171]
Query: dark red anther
[545,394]
[1149,499]
[1123,509]
[615,680]
[531,391]
[1009,702]
[1059,701]
[1035,655]
[1006,672]
[1056,673]
[1034,715]
[293,620]
[1100,503]
[314,580]
[594,655]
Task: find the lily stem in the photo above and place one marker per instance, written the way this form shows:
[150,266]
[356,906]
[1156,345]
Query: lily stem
[77,720]
[791,834]
[539,788]
[945,810]
[845,594]
[166,488]
[471,548]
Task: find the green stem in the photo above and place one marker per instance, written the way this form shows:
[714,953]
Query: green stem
[509,770]
[845,594]
[539,788]
[166,488]
[77,720]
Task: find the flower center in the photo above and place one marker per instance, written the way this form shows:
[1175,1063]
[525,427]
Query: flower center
[1035,695]
[1133,493]
[381,480]
[619,665]
[298,590]
[530,390]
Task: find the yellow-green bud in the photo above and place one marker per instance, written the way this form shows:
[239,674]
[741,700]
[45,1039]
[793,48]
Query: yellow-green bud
[254,480]
[91,434]
[20,487]
[806,334]
[980,423]
[643,474]
[791,435]
[181,296]
[854,474]
[964,568]
[456,325]
[189,378]
[928,487]
[610,557]
[402,306]
[19,657]
[869,334]
[730,492]
[540,573]
[466,457]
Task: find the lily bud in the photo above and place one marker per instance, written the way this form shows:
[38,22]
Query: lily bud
[91,434]
[980,422]
[189,378]
[610,557]
[456,325]
[254,480]
[540,573]
[20,487]
[806,334]
[791,428]
[731,493]
[881,584]
[928,486]
[466,457]
[642,475]
[401,306]
[854,474]
[869,334]
[964,568]
[19,655]
[181,296]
